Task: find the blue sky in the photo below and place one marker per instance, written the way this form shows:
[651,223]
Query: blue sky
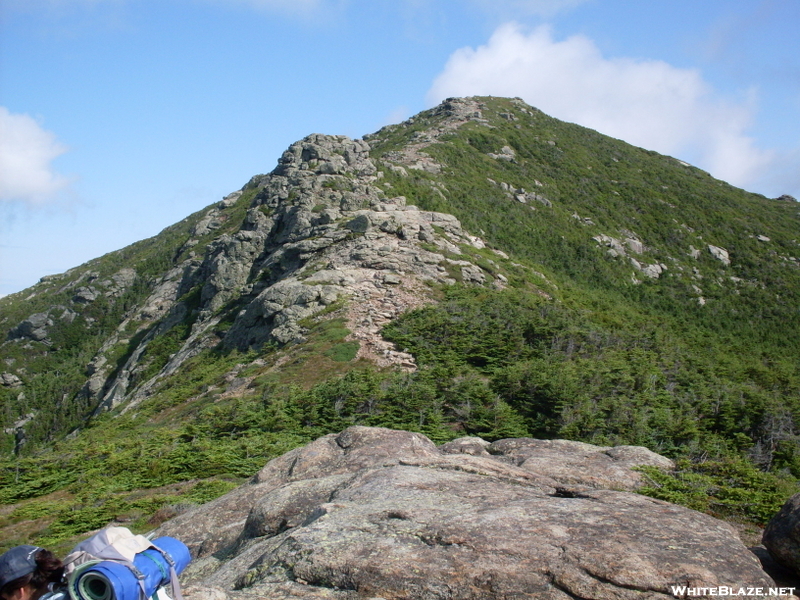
[120,117]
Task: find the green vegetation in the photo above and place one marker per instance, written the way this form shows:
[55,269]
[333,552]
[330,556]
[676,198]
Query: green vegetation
[622,190]
[571,374]
[727,489]
[344,352]
[124,467]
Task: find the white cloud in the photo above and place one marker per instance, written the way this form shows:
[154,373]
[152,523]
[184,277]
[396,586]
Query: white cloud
[26,151]
[644,102]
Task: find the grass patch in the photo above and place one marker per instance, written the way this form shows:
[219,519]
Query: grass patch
[344,352]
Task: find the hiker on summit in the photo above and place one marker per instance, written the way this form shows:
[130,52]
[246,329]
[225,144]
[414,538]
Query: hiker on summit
[31,573]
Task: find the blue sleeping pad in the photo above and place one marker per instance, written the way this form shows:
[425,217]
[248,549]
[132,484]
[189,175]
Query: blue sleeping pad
[108,580]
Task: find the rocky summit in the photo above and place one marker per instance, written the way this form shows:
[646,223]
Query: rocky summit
[376,513]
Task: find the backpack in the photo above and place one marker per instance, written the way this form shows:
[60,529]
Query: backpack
[116,564]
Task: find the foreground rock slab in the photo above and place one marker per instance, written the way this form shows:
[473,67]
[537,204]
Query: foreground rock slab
[374,513]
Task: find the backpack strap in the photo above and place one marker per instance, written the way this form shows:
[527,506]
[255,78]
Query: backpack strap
[140,577]
[173,575]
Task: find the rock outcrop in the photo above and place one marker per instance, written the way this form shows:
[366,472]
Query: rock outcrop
[577,463]
[34,328]
[632,244]
[721,254]
[376,513]
[10,380]
[782,535]
[319,230]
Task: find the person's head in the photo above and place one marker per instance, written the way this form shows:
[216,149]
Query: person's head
[27,571]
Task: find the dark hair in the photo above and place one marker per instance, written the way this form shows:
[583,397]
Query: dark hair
[48,570]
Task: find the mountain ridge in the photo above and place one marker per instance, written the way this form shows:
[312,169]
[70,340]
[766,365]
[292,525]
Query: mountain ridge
[479,269]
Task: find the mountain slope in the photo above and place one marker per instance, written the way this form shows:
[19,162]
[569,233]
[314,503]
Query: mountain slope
[481,268]
[578,192]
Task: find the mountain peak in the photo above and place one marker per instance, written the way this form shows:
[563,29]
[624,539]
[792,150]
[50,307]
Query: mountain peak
[319,232]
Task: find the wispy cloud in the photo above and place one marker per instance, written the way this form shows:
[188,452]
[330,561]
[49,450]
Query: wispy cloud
[644,102]
[26,153]
[284,5]
[783,176]
[312,9]
[756,23]
[544,8]
[400,113]
[498,10]
[56,6]
[304,8]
